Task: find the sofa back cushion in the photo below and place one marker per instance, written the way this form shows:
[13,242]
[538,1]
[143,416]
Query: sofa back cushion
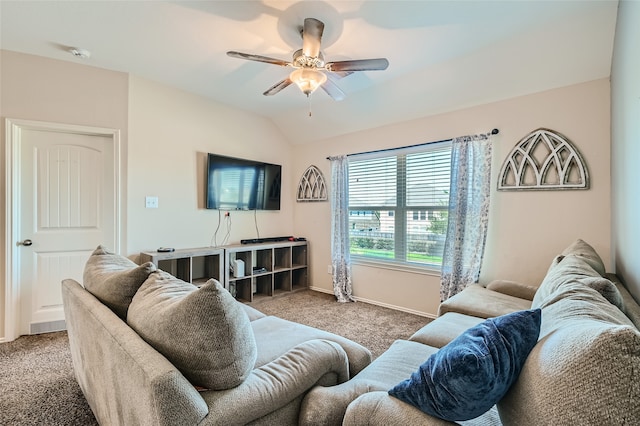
[203,331]
[114,279]
[585,368]
[584,251]
[570,270]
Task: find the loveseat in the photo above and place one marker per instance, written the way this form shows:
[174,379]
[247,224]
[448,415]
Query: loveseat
[583,366]
[150,349]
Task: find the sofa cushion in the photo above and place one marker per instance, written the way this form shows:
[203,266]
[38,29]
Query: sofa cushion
[465,378]
[585,368]
[569,270]
[324,406]
[583,250]
[275,335]
[444,329]
[251,312]
[114,279]
[203,331]
[378,408]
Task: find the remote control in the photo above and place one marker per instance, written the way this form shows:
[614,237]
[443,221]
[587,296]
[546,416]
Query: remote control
[165,249]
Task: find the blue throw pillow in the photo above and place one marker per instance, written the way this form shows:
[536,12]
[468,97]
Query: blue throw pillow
[467,377]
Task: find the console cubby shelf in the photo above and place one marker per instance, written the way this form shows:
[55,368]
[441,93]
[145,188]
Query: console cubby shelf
[283,267]
[194,265]
[270,269]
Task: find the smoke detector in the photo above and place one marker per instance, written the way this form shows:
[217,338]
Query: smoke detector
[80,53]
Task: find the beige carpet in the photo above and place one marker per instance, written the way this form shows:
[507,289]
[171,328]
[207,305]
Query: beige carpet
[38,385]
[39,388]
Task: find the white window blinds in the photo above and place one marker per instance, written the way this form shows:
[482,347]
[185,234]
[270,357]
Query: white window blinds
[398,201]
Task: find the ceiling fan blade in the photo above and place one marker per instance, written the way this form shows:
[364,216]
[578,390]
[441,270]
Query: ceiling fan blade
[277,87]
[358,65]
[338,75]
[332,90]
[258,58]
[311,36]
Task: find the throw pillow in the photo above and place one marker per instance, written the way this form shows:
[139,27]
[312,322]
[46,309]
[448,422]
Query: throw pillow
[203,332]
[114,279]
[467,377]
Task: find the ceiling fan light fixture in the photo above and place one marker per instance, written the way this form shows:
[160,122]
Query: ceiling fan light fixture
[309,65]
[308,79]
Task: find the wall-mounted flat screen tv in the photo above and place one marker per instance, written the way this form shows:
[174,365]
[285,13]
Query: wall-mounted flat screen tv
[240,184]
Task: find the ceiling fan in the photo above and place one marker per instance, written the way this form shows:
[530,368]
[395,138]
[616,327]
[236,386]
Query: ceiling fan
[311,71]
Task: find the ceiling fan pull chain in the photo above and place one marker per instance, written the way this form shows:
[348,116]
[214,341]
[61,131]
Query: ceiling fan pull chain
[309,97]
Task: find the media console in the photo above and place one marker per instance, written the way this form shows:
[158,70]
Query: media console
[271,267]
[193,265]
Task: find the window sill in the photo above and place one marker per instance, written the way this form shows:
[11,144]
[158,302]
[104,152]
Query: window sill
[402,267]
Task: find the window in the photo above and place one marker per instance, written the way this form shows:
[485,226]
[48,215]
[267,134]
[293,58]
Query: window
[405,193]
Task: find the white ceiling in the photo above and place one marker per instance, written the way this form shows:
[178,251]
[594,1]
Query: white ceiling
[443,55]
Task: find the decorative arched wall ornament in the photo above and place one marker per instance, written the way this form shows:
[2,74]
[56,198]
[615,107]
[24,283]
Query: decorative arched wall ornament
[543,160]
[312,186]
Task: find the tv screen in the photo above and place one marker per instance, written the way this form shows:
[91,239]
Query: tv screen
[239,184]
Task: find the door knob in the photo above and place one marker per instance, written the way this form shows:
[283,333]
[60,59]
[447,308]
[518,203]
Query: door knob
[25,243]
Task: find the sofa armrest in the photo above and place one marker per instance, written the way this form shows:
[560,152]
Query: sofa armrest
[513,288]
[478,301]
[378,408]
[111,363]
[278,382]
[252,313]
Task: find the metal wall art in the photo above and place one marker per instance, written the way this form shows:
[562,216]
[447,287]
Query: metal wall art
[543,160]
[312,186]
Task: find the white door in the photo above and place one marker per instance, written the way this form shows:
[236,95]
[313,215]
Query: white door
[67,205]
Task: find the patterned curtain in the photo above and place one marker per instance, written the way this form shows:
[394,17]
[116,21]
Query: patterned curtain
[340,257]
[468,213]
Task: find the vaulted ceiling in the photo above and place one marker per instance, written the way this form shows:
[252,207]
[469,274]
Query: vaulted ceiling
[443,55]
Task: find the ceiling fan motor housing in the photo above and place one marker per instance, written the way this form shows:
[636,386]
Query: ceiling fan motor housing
[300,60]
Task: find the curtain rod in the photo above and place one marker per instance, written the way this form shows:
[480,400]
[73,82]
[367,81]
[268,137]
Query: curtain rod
[493,132]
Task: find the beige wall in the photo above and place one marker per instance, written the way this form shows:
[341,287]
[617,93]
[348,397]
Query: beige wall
[35,88]
[526,229]
[165,133]
[625,149]
[170,132]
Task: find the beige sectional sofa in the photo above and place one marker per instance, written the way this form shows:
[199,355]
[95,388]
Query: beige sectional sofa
[205,359]
[584,369]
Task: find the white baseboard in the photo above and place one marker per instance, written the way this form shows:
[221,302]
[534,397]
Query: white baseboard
[384,305]
[47,327]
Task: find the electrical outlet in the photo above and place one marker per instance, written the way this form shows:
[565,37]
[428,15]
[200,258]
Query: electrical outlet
[329,269]
[151,202]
